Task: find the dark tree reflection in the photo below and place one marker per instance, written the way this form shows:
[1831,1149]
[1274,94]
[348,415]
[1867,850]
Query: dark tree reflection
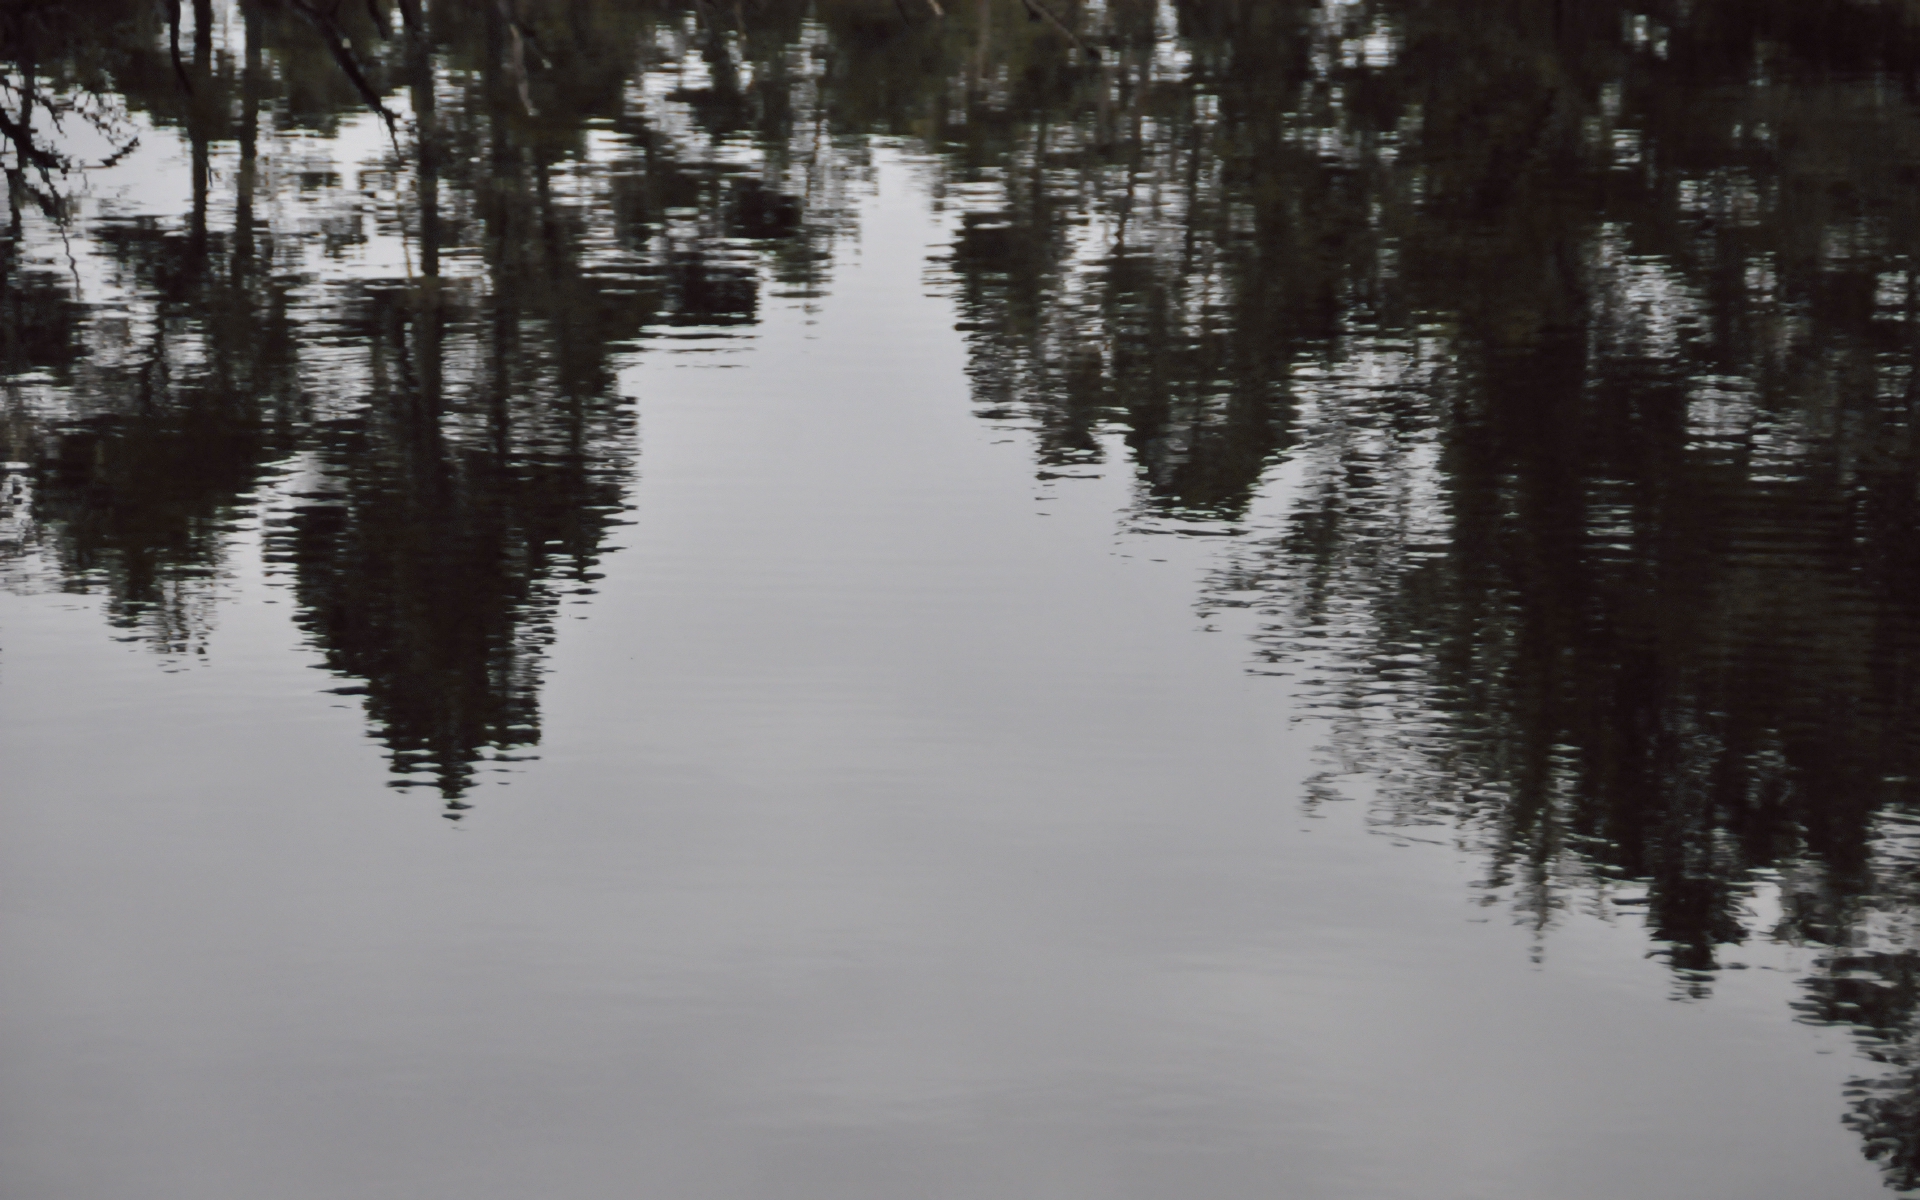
[430,453]
[1580,340]
[1584,337]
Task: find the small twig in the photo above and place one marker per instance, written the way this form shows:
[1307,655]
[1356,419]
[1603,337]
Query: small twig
[114,158]
[22,139]
[1037,9]
[173,45]
[516,54]
[343,54]
[531,37]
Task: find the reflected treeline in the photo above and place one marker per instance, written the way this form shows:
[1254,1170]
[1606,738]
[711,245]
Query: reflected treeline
[1587,334]
[1584,337]
[374,342]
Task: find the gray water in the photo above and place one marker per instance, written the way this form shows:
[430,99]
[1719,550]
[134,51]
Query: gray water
[811,750]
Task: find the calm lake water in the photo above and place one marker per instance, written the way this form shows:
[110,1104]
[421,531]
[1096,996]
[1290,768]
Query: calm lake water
[1124,599]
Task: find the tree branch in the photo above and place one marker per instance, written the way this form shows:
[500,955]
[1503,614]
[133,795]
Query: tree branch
[336,41]
[1037,9]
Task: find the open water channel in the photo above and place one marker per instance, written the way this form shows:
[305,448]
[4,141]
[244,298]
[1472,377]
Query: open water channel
[1131,599]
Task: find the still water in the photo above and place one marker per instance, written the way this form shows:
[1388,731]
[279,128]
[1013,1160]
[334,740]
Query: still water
[1124,599]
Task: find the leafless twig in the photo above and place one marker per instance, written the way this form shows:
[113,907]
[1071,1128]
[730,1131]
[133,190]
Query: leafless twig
[330,33]
[1037,9]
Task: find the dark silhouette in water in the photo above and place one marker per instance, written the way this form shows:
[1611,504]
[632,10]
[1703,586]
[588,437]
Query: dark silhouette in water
[435,458]
[1591,332]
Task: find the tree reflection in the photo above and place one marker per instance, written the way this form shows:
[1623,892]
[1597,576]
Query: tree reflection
[1583,334]
[434,456]
[1588,334]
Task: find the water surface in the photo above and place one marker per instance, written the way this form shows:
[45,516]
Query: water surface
[824,601]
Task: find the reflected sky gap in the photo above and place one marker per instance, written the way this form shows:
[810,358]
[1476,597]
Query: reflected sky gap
[1583,334]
